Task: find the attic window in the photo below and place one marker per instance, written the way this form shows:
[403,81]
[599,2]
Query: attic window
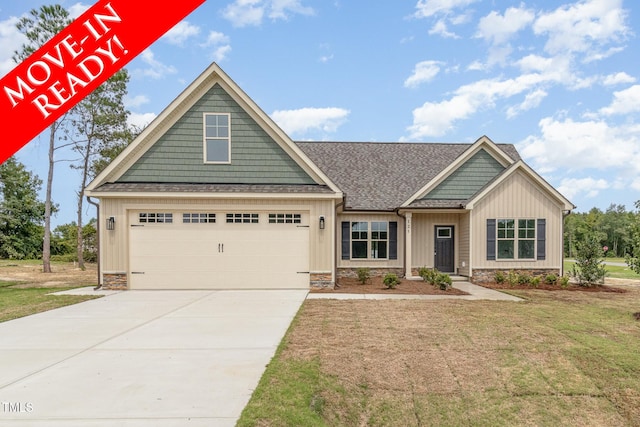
[217,140]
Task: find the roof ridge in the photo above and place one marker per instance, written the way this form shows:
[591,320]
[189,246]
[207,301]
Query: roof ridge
[394,143]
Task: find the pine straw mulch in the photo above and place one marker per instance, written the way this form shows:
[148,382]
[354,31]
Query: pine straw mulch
[375,286]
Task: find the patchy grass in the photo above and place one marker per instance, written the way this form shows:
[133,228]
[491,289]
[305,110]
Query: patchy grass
[614,271]
[569,358]
[25,289]
[20,302]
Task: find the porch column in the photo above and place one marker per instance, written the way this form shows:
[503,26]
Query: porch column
[407,244]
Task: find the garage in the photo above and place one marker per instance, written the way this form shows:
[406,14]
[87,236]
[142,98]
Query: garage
[218,250]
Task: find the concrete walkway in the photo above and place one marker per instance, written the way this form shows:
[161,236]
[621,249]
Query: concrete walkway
[475,293]
[142,358]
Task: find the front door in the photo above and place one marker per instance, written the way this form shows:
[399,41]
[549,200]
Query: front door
[444,254]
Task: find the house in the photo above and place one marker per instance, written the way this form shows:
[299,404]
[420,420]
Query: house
[213,194]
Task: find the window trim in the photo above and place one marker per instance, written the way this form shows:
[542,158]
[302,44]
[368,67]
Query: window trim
[516,239]
[370,240]
[205,139]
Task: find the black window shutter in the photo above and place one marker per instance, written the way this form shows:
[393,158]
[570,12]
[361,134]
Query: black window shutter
[541,237]
[393,240]
[346,241]
[491,239]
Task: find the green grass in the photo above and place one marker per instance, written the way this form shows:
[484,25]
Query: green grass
[559,358]
[20,302]
[617,272]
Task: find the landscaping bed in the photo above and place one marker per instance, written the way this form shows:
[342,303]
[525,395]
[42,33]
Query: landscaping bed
[374,285]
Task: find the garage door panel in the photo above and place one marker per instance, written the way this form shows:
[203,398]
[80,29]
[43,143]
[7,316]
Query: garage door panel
[218,256]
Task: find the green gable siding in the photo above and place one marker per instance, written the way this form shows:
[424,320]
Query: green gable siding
[470,177]
[177,157]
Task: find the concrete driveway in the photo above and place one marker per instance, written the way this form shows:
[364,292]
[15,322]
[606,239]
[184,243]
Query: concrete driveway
[142,358]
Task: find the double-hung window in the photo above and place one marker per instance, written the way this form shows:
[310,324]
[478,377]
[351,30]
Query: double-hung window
[217,138]
[369,240]
[516,236]
[359,239]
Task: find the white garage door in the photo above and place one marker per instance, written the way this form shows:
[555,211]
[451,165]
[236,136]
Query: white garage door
[207,250]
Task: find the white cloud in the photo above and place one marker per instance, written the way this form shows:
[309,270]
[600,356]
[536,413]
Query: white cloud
[498,29]
[77,10]
[306,119]
[220,43]
[11,40]
[440,29]
[532,100]
[216,38]
[157,69]
[624,102]
[423,72]
[618,78]
[427,8]
[182,31]
[583,26]
[140,120]
[569,145]
[243,13]
[221,52]
[135,101]
[590,187]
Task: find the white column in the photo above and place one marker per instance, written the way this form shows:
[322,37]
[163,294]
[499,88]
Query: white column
[407,244]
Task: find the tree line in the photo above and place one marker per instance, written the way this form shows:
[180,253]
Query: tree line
[94,132]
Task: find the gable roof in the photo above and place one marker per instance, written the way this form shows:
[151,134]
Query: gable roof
[213,77]
[383,176]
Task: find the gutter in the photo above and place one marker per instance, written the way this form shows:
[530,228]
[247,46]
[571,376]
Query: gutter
[97,239]
[335,250]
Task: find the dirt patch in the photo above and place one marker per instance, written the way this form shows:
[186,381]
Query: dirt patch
[29,274]
[547,287]
[375,286]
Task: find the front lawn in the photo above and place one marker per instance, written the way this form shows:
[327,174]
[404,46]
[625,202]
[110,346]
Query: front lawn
[614,271]
[560,358]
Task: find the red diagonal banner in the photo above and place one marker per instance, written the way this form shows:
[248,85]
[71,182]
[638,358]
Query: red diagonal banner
[78,60]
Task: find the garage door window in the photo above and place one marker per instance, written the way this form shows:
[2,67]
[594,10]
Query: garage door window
[285,218]
[198,218]
[155,218]
[242,218]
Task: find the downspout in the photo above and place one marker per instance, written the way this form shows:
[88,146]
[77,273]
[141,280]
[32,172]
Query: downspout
[335,251]
[97,239]
[565,213]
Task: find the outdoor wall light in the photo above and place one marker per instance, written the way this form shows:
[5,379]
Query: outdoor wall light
[111,223]
[321,222]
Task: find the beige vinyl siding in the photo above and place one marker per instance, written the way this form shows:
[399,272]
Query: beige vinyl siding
[423,239]
[372,263]
[115,256]
[519,198]
[463,250]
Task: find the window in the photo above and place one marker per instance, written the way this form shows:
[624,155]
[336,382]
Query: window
[198,218]
[444,232]
[155,218]
[379,240]
[359,239]
[526,238]
[506,237]
[217,140]
[507,240]
[242,218]
[285,218]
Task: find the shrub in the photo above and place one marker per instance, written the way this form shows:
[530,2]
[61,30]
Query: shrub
[363,275]
[550,279]
[391,281]
[524,279]
[428,274]
[512,278]
[589,268]
[443,280]
[564,281]
[535,281]
[500,277]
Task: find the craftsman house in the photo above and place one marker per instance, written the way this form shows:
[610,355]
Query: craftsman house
[214,195]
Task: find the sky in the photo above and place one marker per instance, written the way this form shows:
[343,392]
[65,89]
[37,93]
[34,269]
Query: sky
[560,80]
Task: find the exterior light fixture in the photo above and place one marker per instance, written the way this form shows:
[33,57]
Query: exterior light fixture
[321,222]
[111,223]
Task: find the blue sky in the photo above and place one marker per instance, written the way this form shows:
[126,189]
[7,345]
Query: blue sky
[557,79]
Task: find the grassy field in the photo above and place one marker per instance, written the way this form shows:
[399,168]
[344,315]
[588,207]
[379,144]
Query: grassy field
[559,358]
[25,289]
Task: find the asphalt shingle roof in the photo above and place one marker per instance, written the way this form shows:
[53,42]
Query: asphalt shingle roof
[136,187]
[382,176]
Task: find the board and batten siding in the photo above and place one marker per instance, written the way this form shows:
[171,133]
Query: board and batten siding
[464,243]
[423,237]
[371,263]
[518,198]
[177,156]
[114,256]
